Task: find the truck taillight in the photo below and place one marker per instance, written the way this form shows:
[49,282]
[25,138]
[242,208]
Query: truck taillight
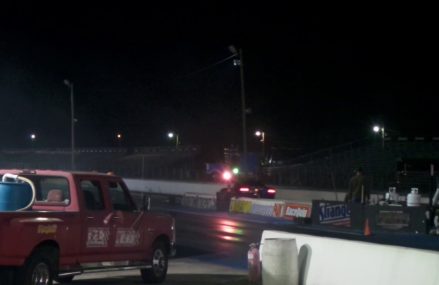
[271,191]
[244,189]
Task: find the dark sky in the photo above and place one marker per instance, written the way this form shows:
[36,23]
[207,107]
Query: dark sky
[313,78]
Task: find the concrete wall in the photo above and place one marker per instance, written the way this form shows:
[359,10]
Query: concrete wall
[171,187]
[338,262]
[180,188]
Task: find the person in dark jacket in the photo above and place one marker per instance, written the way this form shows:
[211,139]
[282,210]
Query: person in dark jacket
[357,192]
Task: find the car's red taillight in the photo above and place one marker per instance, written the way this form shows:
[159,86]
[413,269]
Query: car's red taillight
[244,189]
[271,191]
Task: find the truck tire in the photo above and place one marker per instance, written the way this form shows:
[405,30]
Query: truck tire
[64,280]
[38,269]
[157,273]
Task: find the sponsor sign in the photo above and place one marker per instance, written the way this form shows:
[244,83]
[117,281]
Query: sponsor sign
[240,206]
[337,214]
[294,211]
[263,210]
[278,210]
[198,202]
[206,203]
[188,201]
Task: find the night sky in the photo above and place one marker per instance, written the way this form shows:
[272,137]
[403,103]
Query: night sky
[313,79]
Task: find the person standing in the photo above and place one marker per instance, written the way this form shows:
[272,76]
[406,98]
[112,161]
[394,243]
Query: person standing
[357,192]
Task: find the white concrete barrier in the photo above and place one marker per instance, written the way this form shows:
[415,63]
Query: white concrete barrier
[179,188]
[339,261]
[171,187]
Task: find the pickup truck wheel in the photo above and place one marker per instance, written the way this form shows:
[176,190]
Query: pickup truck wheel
[66,279]
[38,269]
[157,273]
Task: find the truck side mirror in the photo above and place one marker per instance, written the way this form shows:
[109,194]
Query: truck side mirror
[146,202]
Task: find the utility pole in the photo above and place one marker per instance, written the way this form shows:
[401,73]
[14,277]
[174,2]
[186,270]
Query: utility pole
[72,122]
[243,106]
[240,62]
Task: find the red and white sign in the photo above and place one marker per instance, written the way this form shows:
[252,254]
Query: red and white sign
[297,210]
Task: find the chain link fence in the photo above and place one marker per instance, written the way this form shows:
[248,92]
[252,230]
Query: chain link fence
[326,169]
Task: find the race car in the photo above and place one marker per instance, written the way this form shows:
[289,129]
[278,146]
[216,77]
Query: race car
[250,187]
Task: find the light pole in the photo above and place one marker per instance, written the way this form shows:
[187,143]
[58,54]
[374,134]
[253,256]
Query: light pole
[171,135]
[377,129]
[72,122]
[240,62]
[261,134]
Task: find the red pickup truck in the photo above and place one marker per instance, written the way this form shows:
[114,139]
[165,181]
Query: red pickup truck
[78,222]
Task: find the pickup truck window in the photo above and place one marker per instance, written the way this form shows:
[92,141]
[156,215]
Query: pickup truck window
[119,198]
[92,194]
[53,189]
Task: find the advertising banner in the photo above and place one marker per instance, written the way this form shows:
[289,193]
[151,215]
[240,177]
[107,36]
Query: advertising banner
[278,210]
[294,211]
[193,200]
[263,210]
[331,213]
[240,206]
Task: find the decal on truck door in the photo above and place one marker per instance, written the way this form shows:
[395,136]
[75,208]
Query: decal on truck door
[127,238]
[47,229]
[98,237]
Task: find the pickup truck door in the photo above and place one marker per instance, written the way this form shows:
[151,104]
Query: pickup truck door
[96,239]
[128,223]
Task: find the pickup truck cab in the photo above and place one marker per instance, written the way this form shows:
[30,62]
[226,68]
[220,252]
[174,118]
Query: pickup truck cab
[80,222]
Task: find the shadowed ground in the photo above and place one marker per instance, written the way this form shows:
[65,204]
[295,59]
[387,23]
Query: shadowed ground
[174,279]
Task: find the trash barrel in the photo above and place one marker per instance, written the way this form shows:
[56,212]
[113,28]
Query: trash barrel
[280,262]
[14,196]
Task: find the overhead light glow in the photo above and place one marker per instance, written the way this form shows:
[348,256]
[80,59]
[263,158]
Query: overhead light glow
[227,175]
